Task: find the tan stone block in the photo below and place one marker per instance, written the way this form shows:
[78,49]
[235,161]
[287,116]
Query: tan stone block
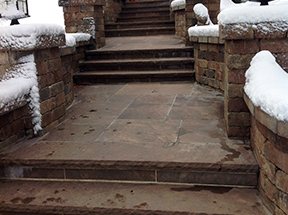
[282,181]
[237,31]
[265,119]
[235,90]
[238,62]
[270,189]
[282,201]
[203,47]
[242,46]
[60,99]
[276,30]
[203,63]
[48,105]
[249,104]
[274,45]
[278,211]
[282,129]
[241,119]
[277,157]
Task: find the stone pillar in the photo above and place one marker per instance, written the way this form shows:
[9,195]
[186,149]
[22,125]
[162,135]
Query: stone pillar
[242,42]
[112,10]
[213,7]
[180,21]
[85,16]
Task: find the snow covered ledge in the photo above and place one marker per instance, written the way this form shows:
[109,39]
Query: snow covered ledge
[30,67]
[266,91]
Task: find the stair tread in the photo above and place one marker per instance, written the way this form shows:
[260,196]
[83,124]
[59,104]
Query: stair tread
[135,72]
[147,60]
[141,22]
[139,29]
[114,198]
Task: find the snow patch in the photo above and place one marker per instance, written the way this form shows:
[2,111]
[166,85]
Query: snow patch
[249,12]
[267,85]
[177,3]
[202,11]
[24,35]
[73,38]
[17,83]
[204,31]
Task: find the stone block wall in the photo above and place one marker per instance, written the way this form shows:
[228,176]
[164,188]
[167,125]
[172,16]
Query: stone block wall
[85,17]
[55,65]
[242,42]
[269,139]
[112,10]
[180,21]
[209,61]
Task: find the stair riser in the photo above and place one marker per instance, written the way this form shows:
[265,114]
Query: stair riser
[138,25]
[144,14]
[145,5]
[144,18]
[135,175]
[146,9]
[136,54]
[140,32]
[141,66]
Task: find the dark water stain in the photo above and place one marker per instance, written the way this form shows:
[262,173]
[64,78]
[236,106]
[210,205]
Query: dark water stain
[23,201]
[142,205]
[218,190]
[58,200]
[229,157]
[120,197]
[93,111]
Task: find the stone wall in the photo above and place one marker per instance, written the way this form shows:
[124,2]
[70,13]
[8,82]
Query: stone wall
[85,17]
[209,61]
[242,42]
[180,21]
[55,67]
[269,139]
[112,10]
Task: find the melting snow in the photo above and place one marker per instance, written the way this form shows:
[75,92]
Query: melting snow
[176,3]
[204,31]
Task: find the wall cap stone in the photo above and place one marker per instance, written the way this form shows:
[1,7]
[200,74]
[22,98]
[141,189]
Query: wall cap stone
[180,7]
[278,127]
[213,40]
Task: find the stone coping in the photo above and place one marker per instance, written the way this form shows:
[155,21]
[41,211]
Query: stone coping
[62,3]
[8,108]
[180,7]
[280,128]
[265,30]
[73,49]
[213,40]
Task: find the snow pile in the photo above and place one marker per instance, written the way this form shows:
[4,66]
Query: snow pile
[17,84]
[24,35]
[267,85]
[224,4]
[204,31]
[202,12]
[276,11]
[177,3]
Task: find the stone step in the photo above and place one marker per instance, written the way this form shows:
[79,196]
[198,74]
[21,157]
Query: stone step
[125,15]
[221,164]
[139,4]
[137,64]
[140,31]
[147,9]
[84,78]
[78,198]
[144,18]
[143,53]
[145,24]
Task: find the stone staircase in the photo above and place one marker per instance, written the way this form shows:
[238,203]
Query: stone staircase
[142,18]
[117,154]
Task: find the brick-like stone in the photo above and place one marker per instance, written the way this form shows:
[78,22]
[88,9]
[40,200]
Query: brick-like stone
[282,181]
[242,46]
[237,105]
[235,90]
[236,31]
[239,119]
[270,189]
[48,105]
[238,62]
[266,119]
[282,201]
[274,45]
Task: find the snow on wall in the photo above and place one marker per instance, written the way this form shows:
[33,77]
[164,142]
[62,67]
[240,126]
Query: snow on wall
[73,38]
[24,36]
[18,82]
[267,85]
[276,11]
[177,3]
[204,31]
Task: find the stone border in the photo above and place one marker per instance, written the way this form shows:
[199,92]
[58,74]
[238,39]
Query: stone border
[213,40]
[280,128]
[180,7]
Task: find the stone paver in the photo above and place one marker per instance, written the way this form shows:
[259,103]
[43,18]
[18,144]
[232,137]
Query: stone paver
[146,123]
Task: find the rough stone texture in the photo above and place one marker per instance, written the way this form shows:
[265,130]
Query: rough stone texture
[112,10]
[180,23]
[209,62]
[44,197]
[271,152]
[85,16]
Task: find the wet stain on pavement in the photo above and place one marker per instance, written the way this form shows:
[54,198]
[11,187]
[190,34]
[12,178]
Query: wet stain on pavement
[217,190]
[229,157]
[23,201]
[142,205]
